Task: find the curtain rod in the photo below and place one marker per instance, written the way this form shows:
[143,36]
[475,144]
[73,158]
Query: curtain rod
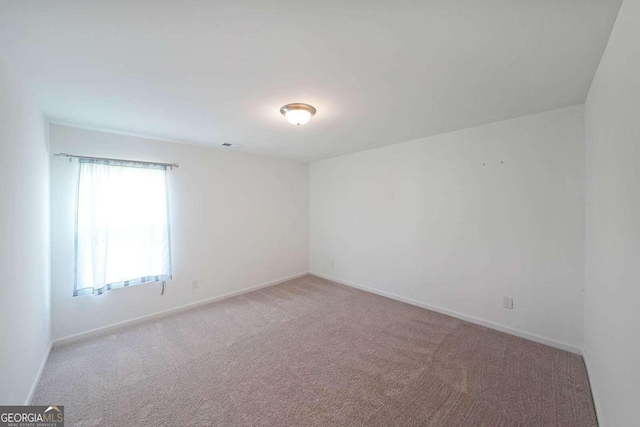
[70,156]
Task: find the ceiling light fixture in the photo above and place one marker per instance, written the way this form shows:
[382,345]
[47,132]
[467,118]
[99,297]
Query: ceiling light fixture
[298,114]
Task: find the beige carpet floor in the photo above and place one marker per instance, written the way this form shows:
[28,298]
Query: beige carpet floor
[309,352]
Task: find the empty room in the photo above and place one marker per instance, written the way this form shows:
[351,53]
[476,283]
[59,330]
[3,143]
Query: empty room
[335,213]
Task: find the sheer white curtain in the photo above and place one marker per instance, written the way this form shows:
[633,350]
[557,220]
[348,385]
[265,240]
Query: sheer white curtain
[122,229]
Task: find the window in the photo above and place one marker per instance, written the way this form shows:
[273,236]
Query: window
[122,225]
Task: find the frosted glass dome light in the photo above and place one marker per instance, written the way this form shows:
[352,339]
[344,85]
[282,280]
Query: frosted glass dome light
[298,114]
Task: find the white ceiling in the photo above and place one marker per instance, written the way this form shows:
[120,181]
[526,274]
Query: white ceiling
[379,72]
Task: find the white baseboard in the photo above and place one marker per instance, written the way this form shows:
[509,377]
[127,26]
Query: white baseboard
[36,381]
[594,395]
[164,313]
[477,321]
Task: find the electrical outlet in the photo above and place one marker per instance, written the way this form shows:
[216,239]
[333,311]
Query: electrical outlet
[333,263]
[194,284]
[507,302]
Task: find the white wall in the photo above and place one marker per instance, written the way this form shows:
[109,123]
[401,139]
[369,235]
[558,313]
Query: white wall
[459,220]
[237,221]
[24,240]
[612,297]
